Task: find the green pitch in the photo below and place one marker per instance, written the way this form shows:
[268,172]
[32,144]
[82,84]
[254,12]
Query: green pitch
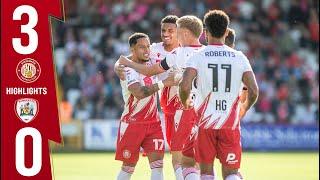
[255,166]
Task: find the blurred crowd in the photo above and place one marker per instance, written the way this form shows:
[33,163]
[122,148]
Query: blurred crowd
[280,38]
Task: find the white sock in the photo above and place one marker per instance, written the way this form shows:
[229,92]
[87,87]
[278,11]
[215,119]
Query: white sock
[207,177]
[178,172]
[233,177]
[190,173]
[125,173]
[156,174]
[192,176]
[215,175]
[156,170]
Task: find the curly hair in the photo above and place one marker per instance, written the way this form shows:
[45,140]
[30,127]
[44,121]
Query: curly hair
[216,22]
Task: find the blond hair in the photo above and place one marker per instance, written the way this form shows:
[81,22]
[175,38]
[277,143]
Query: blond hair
[192,23]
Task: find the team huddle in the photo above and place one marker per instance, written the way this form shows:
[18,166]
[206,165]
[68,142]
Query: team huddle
[204,92]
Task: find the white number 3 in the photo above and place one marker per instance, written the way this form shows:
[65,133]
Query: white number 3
[27,28]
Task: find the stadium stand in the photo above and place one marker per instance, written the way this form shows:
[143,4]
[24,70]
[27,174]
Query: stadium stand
[281,39]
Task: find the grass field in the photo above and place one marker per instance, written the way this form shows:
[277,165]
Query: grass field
[255,166]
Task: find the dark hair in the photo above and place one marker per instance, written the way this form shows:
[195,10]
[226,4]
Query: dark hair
[170,19]
[216,22]
[231,37]
[134,38]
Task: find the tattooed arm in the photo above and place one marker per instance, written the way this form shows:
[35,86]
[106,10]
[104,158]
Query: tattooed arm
[141,92]
[186,85]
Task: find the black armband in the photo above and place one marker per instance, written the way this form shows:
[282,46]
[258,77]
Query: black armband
[164,64]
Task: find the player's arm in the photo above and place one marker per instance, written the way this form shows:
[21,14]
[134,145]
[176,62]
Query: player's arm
[141,92]
[185,85]
[249,81]
[244,94]
[119,70]
[252,94]
[141,68]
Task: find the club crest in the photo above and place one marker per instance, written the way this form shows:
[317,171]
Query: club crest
[26,109]
[28,70]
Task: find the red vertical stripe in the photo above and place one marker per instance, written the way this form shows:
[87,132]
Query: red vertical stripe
[232,116]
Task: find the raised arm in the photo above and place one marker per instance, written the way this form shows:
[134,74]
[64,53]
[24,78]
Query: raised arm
[186,85]
[141,68]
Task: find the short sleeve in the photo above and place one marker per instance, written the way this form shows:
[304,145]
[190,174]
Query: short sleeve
[192,62]
[131,76]
[171,59]
[245,63]
[164,64]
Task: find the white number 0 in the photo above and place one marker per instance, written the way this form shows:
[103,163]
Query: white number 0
[37,151]
[27,28]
